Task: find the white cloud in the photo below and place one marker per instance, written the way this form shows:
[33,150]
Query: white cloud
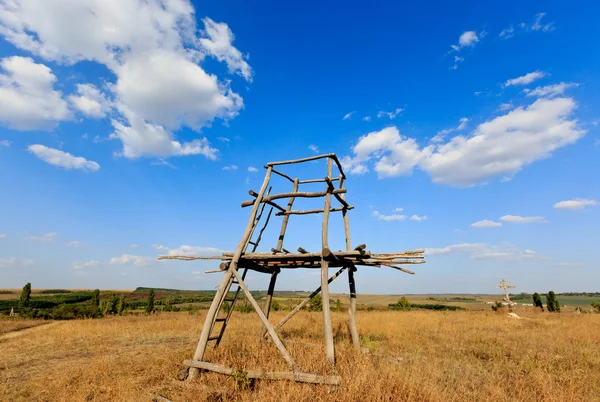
[392,115]
[538,26]
[399,209]
[507,33]
[551,90]
[505,106]
[575,203]
[525,79]
[498,147]
[218,43]
[314,148]
[128,259]
[28,100]
[485,224]
[5,143]
[418,218]
[223,139]
[90,101]
[45,238]
[63,159]
[230,167]
[347,116]
[252,169]
[153,48]
[87,264]
[523,219]
[481,251]
[74,244]
[393,217]
[367,118]
[439,137]
[14,262]
[468,38]
[188,251]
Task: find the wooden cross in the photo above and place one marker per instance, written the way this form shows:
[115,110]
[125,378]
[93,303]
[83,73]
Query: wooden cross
[505,286]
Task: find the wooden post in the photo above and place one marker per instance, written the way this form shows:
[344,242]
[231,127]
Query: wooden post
[352,309]
[216,303]
[284,223]
[329,347]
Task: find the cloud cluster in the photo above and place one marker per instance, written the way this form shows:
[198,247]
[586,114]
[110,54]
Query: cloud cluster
[153,48]
[483,251]
[498,147]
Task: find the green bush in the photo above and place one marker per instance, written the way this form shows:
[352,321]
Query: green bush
[150,305]
[402,305]
[315,304]
[537,301]
[596,306]
[552,304]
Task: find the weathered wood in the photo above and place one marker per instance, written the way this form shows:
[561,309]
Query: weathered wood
[282,175]
[314,211]
[270,256]
[271,203]
[262,375]
[400,269]
[269,299]
[301,194]
[360,247]
[272,333]
[337,195]
[352,309]
[302,251]
[384,262]
[312,158]
[216,303]
[306,301]
[317,180]
[328,331]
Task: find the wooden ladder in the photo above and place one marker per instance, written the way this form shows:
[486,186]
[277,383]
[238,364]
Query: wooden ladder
[225,320]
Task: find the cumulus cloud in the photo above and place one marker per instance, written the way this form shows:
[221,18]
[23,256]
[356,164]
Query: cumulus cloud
[186,250]
[86,264]
[575,203]
[128,259]
[498,147]
[45,238]
[153,48]
[468,38]
[63,159]
[525,79]
[391,115]
[482,251]
[439,137]
[392,217]
[485,224]
[28,100]
[418,218]
[523,219]
[551,91]
[90,101]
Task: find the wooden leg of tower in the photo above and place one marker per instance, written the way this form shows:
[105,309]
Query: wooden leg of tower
[209,320]
[329,347]
[269,300]
[352,309]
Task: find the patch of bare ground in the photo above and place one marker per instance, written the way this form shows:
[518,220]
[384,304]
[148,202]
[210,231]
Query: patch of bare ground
[415,356]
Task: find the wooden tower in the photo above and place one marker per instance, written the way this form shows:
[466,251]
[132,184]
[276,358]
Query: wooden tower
[236,265]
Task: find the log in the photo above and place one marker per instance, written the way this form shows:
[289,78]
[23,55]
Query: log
[336,195]
[328,331]
[282,175]
[302,251]
[302,194]
[360,247]
[272,333]
[317,180]
[306,301]
[271,203]
[314,211]
[261,375]
[400,269]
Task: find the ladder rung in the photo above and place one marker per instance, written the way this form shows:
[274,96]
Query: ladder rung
[236,282]
[213,338]
[220,319]
[228,300]
[251,242]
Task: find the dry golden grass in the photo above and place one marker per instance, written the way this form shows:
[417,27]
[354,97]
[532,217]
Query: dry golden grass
[11,325]
[416,356]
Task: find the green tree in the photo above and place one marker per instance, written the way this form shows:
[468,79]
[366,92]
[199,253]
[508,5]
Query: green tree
[104,307]
[315,304]
[403,304]
[552,304]
[96,298]
[150,305]
[25,297]
[121,305]
[537,301]
[113,304]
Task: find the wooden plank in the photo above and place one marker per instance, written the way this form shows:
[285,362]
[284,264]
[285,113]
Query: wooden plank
[306,301]
[314,211]
[328,331]
[216,303]
[290,361]
[262,375]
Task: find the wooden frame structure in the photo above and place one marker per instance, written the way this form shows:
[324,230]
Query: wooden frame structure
[235,266]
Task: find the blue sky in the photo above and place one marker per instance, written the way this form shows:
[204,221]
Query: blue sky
[131,129]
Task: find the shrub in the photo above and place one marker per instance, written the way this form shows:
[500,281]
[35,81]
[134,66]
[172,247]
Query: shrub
[537,301]
[121,305]
[113,304]
[596,306]
[315,304]
[402,305]
[25,296]
[498,306]
[150,305]
[275,306]
[96,298]
[552,304]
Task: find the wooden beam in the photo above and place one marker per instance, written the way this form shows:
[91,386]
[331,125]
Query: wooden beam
[272,333]
[282,175]
[314,211]
[305,301]
[328,331]
[262,375]
[317,180]
[302,194]
[312,158]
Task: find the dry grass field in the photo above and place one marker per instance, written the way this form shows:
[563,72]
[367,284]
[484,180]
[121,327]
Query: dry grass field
[415,356]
